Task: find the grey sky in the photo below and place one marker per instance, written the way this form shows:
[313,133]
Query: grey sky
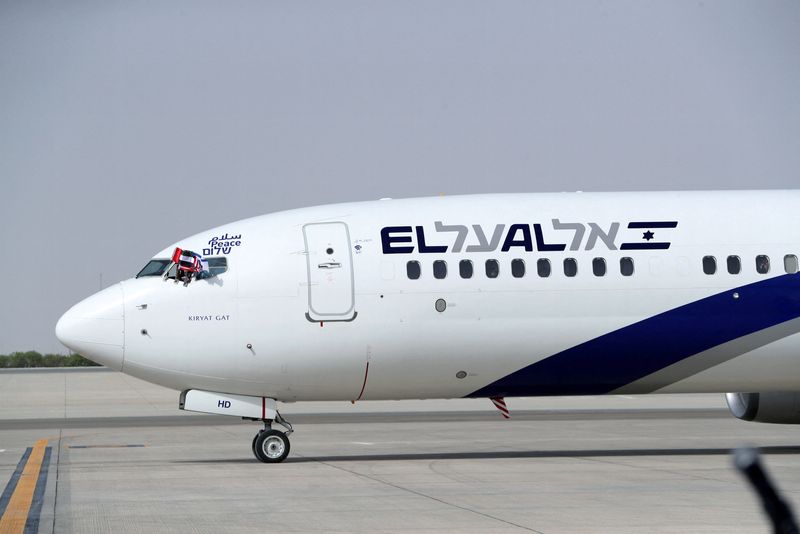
[125,126]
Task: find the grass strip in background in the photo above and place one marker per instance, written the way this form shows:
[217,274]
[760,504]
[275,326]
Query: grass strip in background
[32,358]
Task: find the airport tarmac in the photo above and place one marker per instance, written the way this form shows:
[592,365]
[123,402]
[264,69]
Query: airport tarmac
[120,457]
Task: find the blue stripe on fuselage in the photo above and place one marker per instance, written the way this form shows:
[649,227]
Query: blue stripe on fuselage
[613,360]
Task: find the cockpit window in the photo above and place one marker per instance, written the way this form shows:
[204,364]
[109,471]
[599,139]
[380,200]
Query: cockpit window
[211,267]
[216,266]
[154,268]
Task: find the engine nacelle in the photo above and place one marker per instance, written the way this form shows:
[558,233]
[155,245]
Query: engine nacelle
[774,407]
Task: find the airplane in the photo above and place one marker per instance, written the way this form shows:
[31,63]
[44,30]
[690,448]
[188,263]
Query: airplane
[491,296]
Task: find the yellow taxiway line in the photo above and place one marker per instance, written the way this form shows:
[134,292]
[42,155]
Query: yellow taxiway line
[16,514]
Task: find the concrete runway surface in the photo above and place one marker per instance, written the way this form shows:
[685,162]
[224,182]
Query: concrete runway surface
[98,451]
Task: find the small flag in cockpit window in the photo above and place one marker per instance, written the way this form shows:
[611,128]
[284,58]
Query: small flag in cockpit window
[189,261]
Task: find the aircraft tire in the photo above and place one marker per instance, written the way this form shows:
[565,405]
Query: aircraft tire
[271,446]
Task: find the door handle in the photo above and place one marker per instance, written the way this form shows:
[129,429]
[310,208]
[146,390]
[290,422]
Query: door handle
[329,265]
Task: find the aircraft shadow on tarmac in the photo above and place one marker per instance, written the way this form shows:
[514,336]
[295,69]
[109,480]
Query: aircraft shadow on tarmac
[495,455]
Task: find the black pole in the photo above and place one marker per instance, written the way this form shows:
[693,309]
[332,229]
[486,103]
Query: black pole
[748,462]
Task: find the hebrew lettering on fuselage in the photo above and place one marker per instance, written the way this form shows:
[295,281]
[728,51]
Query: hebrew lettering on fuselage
[452,237]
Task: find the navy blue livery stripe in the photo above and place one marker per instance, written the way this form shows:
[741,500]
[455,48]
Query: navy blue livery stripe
[618,358]
[653,224]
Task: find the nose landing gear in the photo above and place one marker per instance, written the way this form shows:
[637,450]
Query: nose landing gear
[269,446]
[272,446]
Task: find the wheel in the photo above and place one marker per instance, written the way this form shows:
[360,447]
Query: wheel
[271,446]
[253,447]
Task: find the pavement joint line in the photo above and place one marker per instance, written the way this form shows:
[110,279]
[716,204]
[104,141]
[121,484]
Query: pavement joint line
[106,446]
[16,515]
[682,474]
[431,497]
[335,418]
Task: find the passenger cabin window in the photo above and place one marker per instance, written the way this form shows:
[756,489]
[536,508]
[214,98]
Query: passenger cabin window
[709,264]
[626,266]
[570,267]
[492,268]
[439,269]
[790,263]
[517,268]
[154,268]
[734,265]
[543,267]
[413,270]
[762,264]
[599,267]
[465,268]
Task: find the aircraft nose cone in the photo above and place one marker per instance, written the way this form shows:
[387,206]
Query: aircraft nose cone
[95,327]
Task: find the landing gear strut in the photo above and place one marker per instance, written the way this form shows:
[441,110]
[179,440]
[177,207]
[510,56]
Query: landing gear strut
[272,446]
[269,446]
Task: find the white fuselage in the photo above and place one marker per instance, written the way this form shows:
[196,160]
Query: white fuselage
[317,303]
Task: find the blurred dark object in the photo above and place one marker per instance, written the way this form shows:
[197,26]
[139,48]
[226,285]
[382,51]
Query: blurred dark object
[748,461]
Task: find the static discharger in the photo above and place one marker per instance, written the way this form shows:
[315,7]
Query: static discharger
[500,404]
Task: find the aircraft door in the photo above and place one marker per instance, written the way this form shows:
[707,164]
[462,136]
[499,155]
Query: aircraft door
[329,259]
